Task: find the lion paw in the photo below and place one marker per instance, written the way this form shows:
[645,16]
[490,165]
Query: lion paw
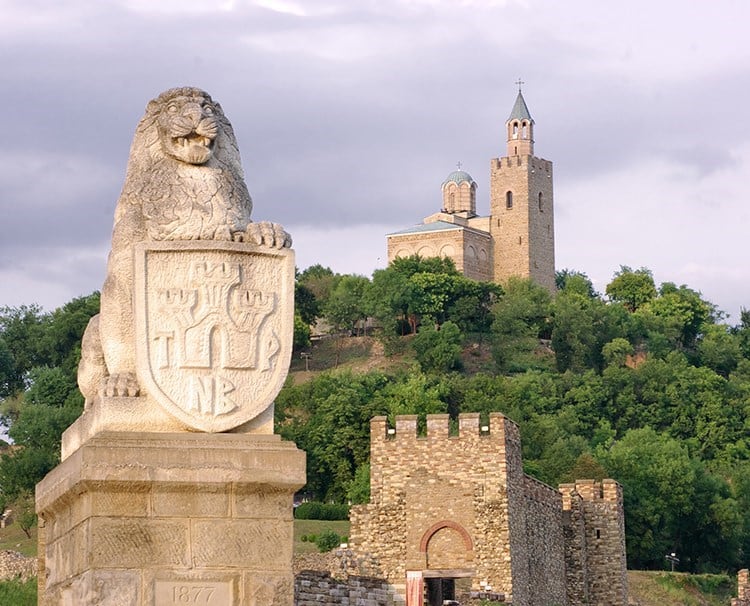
[120,385]
[265,233]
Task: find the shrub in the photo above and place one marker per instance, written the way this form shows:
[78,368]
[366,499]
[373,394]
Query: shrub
[327,540]
[322,511]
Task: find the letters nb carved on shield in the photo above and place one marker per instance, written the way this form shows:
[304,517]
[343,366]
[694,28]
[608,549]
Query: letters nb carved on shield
[214,328]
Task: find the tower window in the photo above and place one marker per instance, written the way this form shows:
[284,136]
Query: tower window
[515,130]
[520,240]
[525,132]
[541,208]
[508,199]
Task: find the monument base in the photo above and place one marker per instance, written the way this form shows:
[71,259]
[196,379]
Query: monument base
[157,519]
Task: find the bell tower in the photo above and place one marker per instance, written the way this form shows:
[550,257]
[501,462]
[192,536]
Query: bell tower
[521,205]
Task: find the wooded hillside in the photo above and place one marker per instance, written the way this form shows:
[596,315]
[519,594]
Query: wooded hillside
[644,383]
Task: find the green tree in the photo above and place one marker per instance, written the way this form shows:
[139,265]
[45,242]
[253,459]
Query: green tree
[470,305]
[521,319]
[438,350]
[658,479]
[345,309]
[21,330]
[575,281]
[305,304]
[411,288]
[631,287]
[320,281]
[359,488]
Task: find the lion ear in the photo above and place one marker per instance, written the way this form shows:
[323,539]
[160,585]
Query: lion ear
[152,106]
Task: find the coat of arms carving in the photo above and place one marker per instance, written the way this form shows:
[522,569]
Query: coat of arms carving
[214,326]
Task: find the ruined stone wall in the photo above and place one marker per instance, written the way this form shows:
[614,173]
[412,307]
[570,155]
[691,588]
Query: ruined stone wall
[523,235]
[15,565]
[312,588]
[595,551]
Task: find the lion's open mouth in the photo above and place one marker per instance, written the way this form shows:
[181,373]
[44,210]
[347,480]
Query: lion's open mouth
[192,148]
[193,139]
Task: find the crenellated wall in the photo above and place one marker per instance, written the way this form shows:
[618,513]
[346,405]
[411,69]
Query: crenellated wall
[460,506]
[595,546]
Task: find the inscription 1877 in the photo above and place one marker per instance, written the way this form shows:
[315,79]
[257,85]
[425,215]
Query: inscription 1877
[205,593]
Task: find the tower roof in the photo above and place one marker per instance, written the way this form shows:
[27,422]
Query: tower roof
[458,177]
[520,111]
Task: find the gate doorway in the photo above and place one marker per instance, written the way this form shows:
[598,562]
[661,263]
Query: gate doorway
[439,590]
[446,586]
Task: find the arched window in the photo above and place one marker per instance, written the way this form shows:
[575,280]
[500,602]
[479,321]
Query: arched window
[515,130]
[525,132]
[541,207]
[453,201]
[508,199]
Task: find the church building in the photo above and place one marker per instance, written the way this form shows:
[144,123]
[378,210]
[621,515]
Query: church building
[518,236]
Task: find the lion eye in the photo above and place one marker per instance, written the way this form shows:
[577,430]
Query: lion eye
[208,110]
[172,108]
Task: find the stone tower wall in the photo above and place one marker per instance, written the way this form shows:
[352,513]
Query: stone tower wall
[594,520]
[443,493]
[524,235]
[743,589]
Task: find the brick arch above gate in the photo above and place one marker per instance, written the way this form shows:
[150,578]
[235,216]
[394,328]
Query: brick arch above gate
[445,524]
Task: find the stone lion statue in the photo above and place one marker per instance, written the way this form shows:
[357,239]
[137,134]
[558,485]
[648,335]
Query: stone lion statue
[184,181]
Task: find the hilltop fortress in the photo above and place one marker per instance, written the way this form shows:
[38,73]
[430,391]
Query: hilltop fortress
[518,236]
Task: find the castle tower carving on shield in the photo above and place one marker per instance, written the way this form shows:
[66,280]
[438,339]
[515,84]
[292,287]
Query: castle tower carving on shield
[518,236]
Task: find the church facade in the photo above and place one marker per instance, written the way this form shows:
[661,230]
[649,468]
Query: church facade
[518,236]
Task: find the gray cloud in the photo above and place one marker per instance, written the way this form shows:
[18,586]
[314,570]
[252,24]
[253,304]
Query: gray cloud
[350,114]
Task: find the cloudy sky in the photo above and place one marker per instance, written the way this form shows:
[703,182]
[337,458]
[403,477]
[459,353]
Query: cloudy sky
[350,113]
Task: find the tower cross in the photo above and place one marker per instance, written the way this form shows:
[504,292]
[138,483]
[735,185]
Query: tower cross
[458,165]
[520,82]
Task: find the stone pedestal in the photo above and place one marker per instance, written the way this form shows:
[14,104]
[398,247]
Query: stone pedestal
[157,519]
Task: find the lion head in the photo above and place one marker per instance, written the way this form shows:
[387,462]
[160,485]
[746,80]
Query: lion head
[187,124]
[187,127]
[184,171]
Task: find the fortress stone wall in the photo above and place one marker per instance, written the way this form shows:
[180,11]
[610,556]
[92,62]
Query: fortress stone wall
[459,509]
[743,588]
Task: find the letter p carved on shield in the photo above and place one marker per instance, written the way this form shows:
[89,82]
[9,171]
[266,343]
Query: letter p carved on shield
[214,328]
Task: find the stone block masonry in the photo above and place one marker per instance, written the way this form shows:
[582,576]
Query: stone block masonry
[460,509]
[743,589]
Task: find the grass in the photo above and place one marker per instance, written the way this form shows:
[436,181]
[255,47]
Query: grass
[358,354]
[17,593]
[680,589]
[307,527]
[13,538]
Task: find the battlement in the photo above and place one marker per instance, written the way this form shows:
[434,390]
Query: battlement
[606,491]
[524,161]
[439,427]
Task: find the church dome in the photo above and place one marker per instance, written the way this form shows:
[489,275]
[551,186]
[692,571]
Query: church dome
[458,177]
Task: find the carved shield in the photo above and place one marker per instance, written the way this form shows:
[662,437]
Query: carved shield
[214,328]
